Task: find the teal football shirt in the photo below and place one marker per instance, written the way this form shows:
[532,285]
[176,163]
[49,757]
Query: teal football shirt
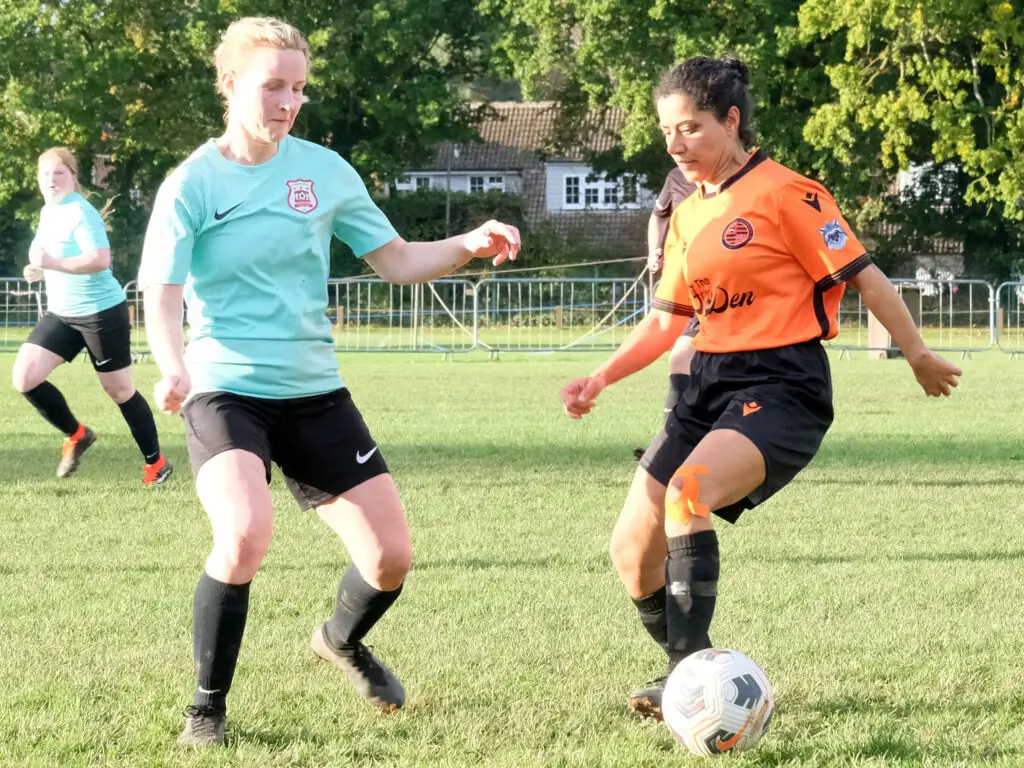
[70,228]
[251,246]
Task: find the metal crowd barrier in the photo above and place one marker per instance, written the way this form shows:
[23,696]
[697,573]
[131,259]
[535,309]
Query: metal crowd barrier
[1009,323]
[953,315]
[554,314]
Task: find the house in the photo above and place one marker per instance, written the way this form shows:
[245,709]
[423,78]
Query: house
[560,189]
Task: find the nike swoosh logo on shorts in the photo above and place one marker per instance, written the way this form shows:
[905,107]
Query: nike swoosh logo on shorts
[101,363]
[363,458]
[221,214]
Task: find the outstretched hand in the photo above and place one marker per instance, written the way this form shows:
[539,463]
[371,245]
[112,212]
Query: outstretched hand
[495,239]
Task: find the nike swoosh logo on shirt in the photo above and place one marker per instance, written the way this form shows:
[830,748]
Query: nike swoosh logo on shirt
[362,459]
[221,214]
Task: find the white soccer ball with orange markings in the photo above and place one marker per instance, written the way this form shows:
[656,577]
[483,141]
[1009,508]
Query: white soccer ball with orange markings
[718,701]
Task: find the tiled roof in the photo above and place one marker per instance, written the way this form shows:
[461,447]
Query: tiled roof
[934,246]
[517,135]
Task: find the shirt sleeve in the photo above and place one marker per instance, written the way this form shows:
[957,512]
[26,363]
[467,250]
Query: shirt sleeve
[90,233]
[673,294]
[170,236]
[817,234]
[359,223]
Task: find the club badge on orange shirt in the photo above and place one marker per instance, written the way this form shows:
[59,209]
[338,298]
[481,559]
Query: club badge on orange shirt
[834,234]
[301,196]
[737,233]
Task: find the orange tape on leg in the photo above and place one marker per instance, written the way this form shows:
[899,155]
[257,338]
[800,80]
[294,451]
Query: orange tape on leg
[685,506]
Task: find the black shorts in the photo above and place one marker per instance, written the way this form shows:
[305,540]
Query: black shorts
[321,443]
[781,399]
[107,335]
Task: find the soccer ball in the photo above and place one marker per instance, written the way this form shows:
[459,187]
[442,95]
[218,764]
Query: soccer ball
[718,701]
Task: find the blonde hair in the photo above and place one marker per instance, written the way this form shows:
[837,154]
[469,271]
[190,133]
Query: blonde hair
[66,157]
[255,32]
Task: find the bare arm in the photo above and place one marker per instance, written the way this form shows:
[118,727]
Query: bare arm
[649,340]
[163,304]
[656,229]
[403,263]
[88,263]
[164,309]
[935,375]
[885,303]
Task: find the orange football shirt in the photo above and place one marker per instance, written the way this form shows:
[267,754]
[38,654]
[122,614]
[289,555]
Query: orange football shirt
[763,261]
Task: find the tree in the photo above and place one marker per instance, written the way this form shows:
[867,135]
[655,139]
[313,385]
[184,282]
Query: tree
[133,80]
[848,91]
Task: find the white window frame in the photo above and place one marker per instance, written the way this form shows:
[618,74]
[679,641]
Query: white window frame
[565,192]
[605,194]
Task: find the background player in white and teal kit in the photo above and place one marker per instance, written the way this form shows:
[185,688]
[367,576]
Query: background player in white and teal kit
[242,231]
[86,308]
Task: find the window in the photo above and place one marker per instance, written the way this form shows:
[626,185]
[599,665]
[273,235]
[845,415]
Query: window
[422,182]
[572,190]
[476,183]
[596,192]
[496,182]
[629,196]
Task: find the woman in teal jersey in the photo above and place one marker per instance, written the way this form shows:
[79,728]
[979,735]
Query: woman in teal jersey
[242,231]
[86,308]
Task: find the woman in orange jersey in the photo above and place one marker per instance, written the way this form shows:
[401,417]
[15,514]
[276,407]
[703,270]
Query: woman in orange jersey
[761,254]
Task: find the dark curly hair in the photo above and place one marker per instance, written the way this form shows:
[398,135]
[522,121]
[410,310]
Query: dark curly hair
[714,85]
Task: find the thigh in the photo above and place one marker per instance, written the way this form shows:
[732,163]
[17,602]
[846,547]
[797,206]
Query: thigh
[232,487]
[640,527]
[57,336]
[218,422]
[108,337]
[718,476]
[324,448]
[787,426]
[371,522]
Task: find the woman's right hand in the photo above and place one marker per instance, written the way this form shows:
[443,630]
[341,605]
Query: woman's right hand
[32,273]
[578,395]
[170,392]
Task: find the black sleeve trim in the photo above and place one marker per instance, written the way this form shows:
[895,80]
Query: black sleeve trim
[672,308]
[845,274]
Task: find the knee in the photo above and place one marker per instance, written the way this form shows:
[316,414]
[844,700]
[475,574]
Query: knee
[119,392]
[390,567]
[689,502]
[242,554]
[627,557]
[24,378]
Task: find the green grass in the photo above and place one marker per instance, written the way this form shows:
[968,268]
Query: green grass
[881,591]
[354,337]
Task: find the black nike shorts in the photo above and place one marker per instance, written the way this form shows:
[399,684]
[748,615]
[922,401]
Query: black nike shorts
[780,399]
[107,335]
[321,443]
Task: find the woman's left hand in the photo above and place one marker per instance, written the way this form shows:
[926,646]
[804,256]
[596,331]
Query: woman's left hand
[936,375]
[493,239]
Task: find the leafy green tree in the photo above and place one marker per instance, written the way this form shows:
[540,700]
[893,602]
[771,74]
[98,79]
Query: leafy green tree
[133,81]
